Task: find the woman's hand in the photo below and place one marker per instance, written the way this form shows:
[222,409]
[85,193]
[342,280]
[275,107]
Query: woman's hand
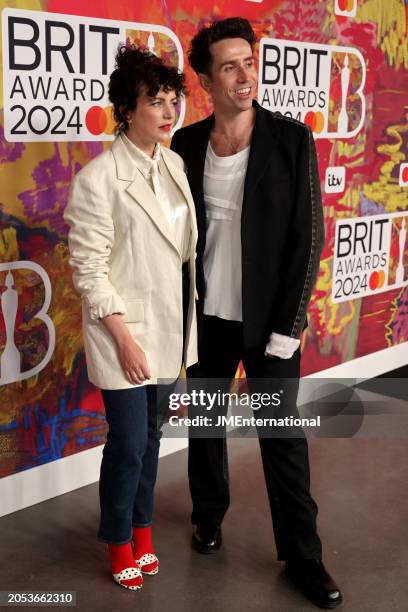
[133,361]
[131,356]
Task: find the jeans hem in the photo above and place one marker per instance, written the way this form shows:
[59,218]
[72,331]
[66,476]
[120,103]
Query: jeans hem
[109,541]
[140,525]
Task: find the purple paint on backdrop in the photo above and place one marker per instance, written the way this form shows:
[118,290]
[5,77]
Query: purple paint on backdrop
[368,207]
[400,322]
[9,151]
[47,200]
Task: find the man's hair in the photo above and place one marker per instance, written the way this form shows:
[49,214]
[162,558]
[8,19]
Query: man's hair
[199,55]
[136,68]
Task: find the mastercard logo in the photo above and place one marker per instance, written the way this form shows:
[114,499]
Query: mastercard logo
[346,5]
[403,175]
[100,120]
[376,280]
[315,120]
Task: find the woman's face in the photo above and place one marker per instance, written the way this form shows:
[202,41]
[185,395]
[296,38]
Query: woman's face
[153,118]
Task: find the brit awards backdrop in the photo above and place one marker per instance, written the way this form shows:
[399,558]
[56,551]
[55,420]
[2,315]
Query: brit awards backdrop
[341,66]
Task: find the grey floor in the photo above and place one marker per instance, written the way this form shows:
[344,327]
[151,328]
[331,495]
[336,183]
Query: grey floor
[360,486]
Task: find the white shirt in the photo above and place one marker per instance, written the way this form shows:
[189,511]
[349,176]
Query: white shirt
[223,194]
[167,192]
[224,179]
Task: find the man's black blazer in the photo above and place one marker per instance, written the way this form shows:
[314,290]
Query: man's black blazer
[282,226]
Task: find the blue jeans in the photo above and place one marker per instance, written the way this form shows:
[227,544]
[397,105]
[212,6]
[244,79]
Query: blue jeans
[131,453]
[129,463]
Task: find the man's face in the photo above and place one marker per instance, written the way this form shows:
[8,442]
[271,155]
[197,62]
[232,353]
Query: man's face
[233,78]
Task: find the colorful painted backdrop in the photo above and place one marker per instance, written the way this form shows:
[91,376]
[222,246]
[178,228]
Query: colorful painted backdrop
[56,412]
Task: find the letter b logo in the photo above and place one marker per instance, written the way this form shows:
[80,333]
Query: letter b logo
[11,357]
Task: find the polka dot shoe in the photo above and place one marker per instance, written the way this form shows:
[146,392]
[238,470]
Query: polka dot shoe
[129,578]
[148,563]
[123,567]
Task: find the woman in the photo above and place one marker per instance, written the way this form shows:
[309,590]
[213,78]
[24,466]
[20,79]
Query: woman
[132,243]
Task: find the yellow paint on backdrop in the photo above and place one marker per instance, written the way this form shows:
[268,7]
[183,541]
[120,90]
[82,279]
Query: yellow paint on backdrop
[8,245]
[390,17]
[386,190]
[19,176]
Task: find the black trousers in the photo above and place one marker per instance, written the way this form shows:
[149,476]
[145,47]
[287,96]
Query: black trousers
[285,459]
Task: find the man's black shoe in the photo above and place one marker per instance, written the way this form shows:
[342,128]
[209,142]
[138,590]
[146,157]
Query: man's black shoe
[207,540]
[312,578]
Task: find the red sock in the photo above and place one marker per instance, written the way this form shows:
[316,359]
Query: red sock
[121,557]
[144,551]
[142,538]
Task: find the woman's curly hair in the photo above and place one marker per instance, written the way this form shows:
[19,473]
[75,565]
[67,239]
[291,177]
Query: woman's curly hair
[136,68]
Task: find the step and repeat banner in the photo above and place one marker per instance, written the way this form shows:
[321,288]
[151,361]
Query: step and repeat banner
[341,66]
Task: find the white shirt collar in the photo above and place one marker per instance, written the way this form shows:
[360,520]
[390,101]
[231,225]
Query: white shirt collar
[143,161]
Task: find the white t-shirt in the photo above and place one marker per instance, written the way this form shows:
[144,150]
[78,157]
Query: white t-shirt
[224,179]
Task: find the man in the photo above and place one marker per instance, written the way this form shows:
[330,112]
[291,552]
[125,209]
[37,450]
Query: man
[254,179]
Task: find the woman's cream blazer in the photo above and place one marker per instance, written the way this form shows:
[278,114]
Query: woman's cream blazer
[125,260]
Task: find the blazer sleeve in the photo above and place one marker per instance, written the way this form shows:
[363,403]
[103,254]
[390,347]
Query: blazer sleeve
[90,241]
[305,243]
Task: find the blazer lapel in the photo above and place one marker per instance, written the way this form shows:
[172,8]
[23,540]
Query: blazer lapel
[263,144]
[196,164]
[139,190]
[144,196]
[180,179]
[197,156]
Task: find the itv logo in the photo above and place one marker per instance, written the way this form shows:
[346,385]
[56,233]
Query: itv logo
[335,179]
